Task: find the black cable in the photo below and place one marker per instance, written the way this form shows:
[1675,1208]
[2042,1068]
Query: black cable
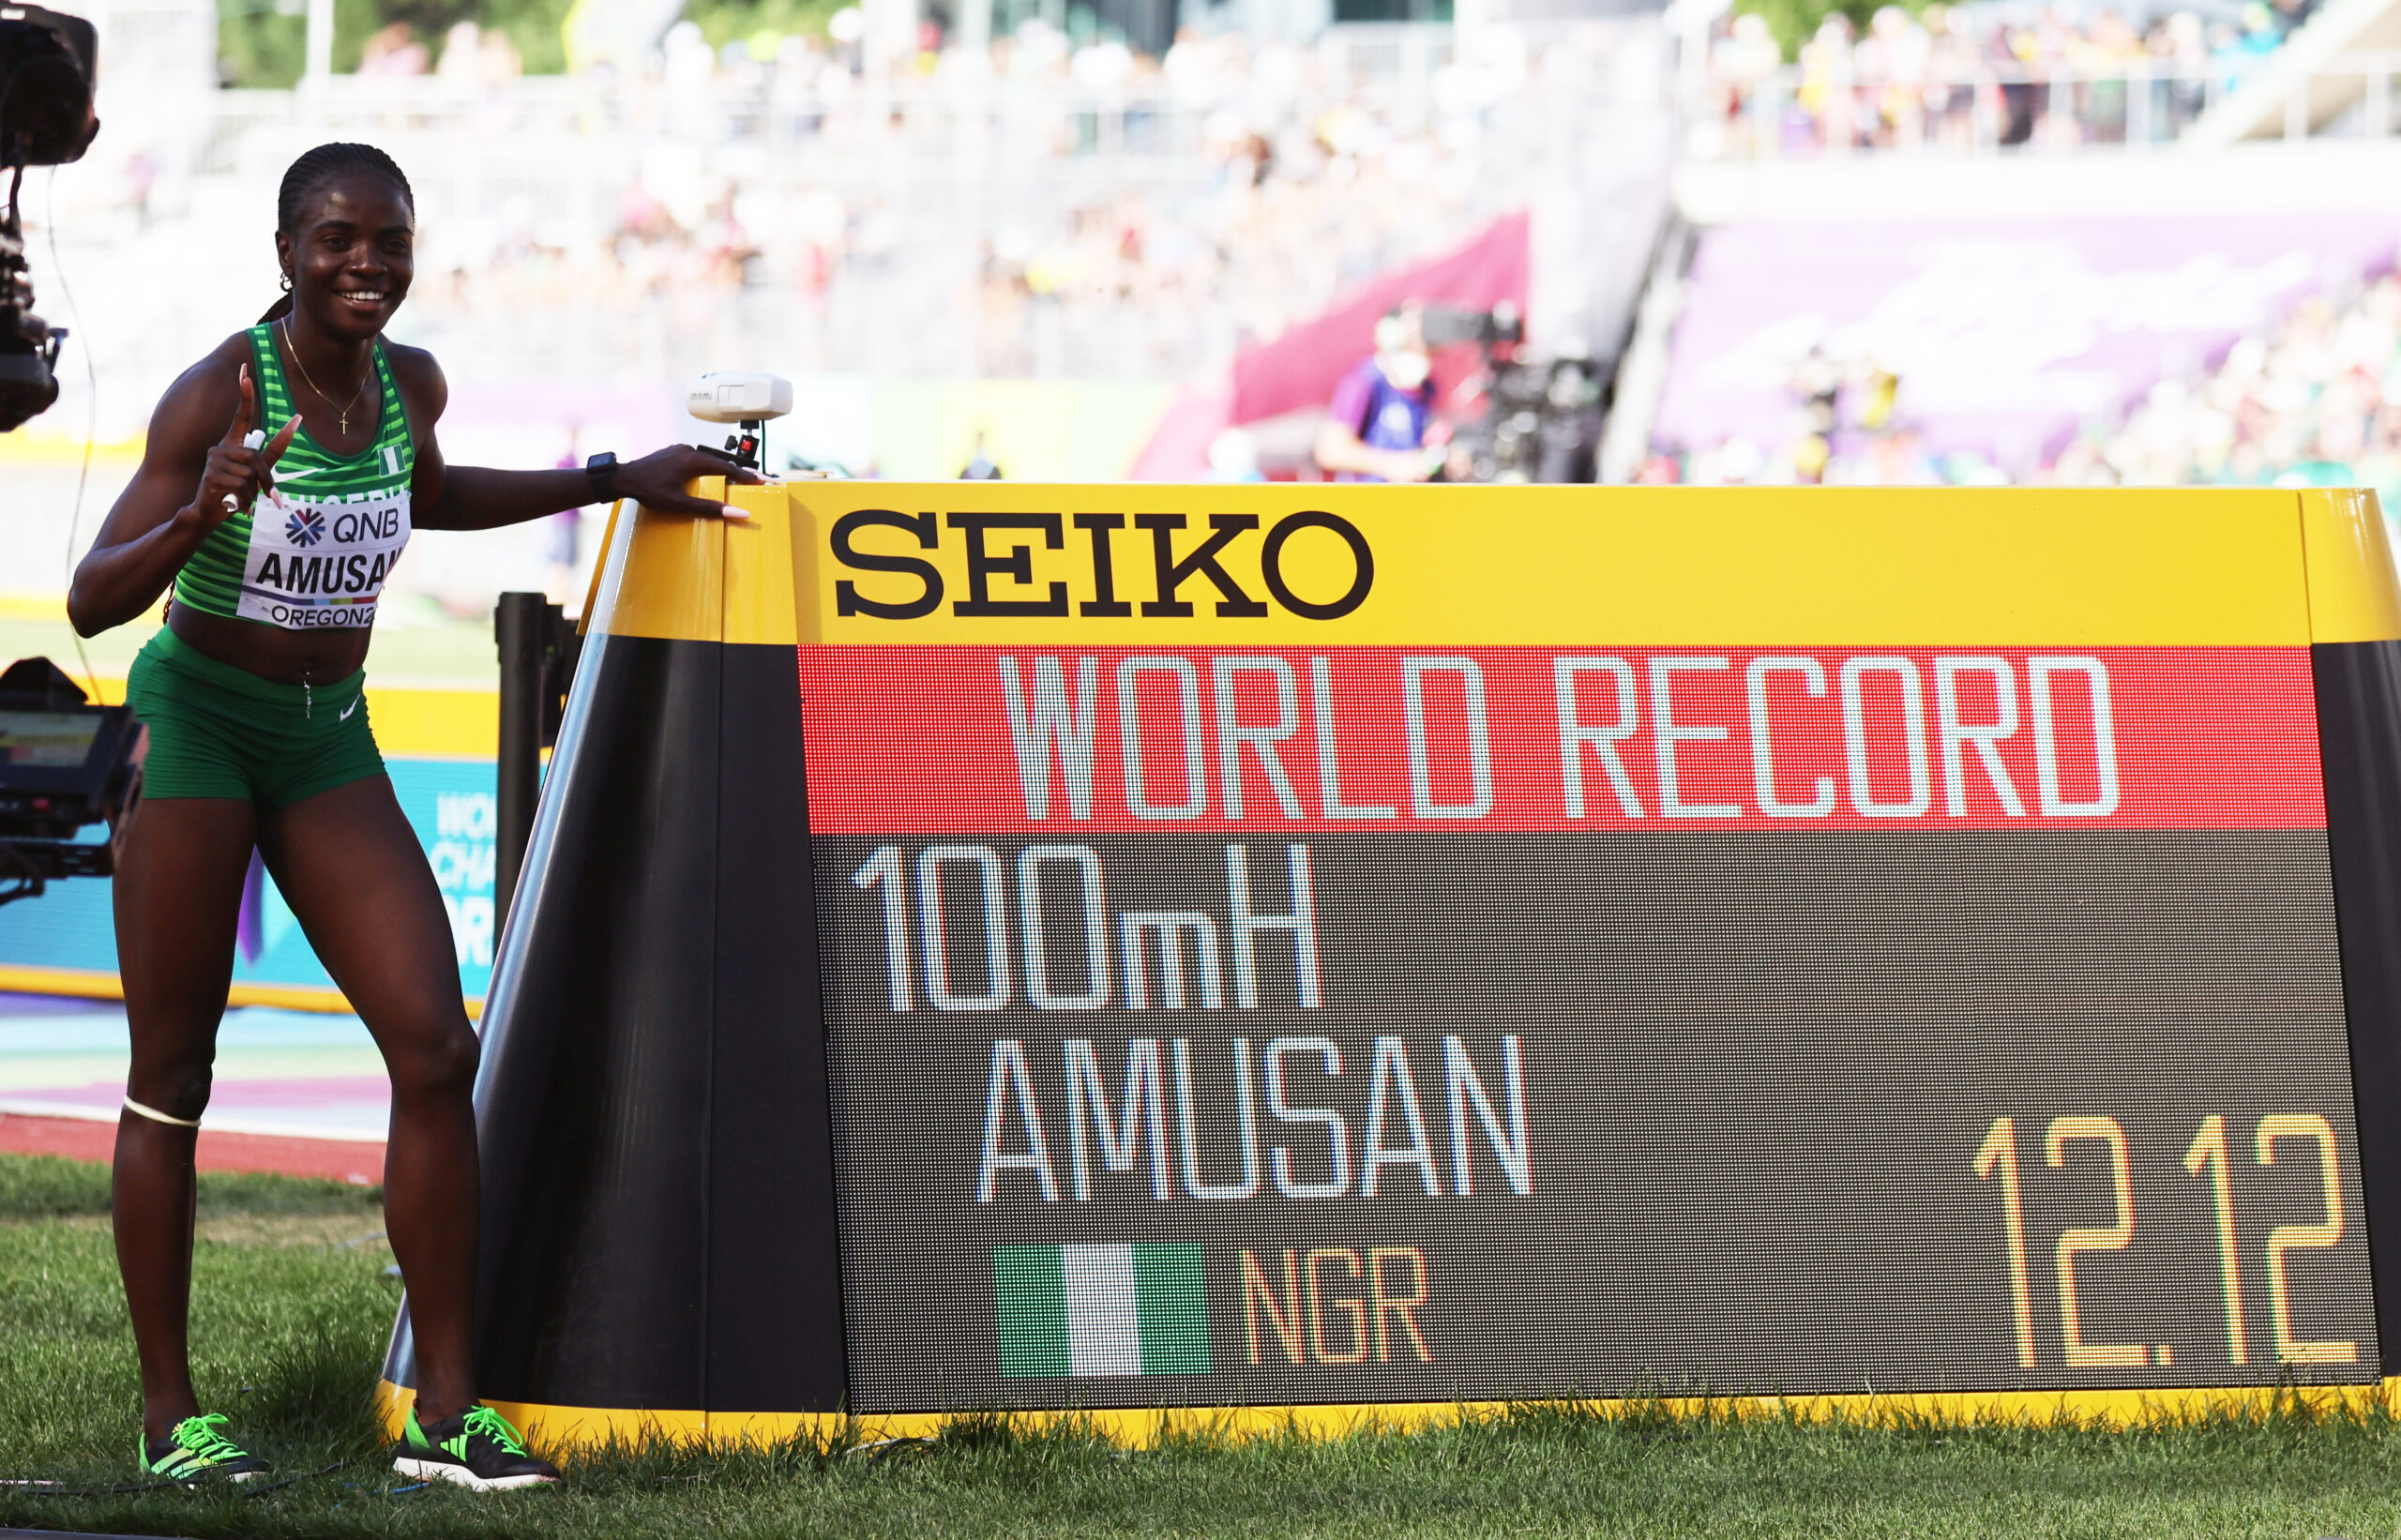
[43,1488]
[91,413]
[26,881]
[310,1475]
[40,1488]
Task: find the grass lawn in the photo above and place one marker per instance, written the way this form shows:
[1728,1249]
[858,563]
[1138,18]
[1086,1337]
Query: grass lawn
[291,1304]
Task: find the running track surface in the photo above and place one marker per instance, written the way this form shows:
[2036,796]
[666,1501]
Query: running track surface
[81,1138]
[296,1094]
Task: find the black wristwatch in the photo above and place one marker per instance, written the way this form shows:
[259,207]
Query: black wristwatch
[602,469]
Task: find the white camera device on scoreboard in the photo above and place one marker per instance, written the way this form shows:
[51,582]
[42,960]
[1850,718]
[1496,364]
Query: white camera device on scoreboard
[746,400]
[738,398]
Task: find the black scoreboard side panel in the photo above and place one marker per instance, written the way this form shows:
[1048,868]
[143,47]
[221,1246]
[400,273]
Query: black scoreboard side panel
[658,1225]
[2359,725]
[1835,1111]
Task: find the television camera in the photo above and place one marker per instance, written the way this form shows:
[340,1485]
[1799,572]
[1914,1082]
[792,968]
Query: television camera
[1540,422]
[65,766]
[46,72]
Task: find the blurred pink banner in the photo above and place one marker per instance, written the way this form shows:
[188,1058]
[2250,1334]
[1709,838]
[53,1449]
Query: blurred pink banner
[1300,366]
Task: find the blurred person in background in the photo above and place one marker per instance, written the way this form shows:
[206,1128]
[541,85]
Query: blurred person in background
[563,532]
[393,51]
[1234,457]
[1376,425]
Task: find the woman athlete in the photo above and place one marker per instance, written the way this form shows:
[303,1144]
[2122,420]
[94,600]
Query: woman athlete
[282,475]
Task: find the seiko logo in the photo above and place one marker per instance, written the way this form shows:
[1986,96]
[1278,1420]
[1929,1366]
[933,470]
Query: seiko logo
[1109,562]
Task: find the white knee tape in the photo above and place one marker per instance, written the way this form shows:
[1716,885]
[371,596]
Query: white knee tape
[157,1116]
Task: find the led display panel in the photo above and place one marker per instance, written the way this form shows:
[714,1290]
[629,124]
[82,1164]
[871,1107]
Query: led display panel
[1348,997]
[1004,946]
[49,739]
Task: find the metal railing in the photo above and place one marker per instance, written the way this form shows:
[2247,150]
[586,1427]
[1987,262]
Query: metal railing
[898,128]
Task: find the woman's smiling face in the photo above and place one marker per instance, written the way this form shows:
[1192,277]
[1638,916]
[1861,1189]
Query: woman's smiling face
[354,255]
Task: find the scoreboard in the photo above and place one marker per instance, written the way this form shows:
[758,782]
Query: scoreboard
[1291,946]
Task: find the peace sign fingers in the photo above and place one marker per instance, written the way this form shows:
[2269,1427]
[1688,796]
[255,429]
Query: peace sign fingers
[274,451]
[238,467]
[245,414]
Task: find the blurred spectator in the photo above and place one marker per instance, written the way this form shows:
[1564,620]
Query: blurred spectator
[393,51]
[563,532]
[479,59]
[979,466]
[1233,456]
[1375,426]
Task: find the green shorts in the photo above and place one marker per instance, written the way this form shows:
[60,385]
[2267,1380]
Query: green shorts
[217,730]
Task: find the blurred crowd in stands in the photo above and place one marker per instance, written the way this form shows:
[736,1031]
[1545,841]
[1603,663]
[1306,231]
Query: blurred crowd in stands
[1978,76]
[2315,401]
[1035,208]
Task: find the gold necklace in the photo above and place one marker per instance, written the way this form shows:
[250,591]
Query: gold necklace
[343,413]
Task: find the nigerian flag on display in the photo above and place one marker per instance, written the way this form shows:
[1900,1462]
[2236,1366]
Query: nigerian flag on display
[1092,1310]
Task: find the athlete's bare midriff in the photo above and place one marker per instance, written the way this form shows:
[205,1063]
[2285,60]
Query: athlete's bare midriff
[271,652]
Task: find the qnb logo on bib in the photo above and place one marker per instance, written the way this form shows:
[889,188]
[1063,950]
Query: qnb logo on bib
[323,565]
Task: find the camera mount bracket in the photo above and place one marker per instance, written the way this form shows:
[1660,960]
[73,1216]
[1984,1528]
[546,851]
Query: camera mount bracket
[741,450]
[748,399]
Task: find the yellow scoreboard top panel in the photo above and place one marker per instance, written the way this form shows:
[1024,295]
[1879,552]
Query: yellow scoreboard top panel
[1283,565]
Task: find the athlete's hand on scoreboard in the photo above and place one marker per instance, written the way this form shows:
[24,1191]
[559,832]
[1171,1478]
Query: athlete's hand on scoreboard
[657,480]
[241,465]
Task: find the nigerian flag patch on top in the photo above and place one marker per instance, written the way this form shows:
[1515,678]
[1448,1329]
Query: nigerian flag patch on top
[1095,1310]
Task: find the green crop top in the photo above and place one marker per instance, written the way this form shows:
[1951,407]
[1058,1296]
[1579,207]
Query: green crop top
[318,552]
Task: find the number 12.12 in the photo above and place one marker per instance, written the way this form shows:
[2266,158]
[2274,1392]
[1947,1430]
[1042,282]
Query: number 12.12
[2207,1157]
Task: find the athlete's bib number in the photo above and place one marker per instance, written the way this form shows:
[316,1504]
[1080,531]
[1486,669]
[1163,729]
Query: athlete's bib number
[322,563]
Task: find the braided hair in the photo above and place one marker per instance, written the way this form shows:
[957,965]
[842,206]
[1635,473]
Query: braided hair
[308,175]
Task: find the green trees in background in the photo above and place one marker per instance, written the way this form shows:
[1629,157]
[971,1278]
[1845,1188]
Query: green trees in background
[262,42]
[1795,21]
[761,23]
[259,42]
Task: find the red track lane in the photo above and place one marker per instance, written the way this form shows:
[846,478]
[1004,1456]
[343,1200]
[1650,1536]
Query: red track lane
[81,1139]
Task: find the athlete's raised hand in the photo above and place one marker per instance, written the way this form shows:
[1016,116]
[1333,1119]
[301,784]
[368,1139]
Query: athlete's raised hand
[241,465]
[657,480]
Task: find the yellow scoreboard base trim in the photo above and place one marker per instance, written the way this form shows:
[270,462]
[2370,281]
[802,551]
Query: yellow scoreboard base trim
[92,984]
[567,1427]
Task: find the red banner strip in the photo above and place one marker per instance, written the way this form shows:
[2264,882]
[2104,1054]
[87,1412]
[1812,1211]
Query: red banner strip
[996,740]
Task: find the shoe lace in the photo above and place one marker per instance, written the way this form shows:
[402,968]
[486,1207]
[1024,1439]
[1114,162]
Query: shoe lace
[493,1425]
[199,1436]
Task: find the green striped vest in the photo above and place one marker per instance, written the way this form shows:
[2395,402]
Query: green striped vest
[318,552]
